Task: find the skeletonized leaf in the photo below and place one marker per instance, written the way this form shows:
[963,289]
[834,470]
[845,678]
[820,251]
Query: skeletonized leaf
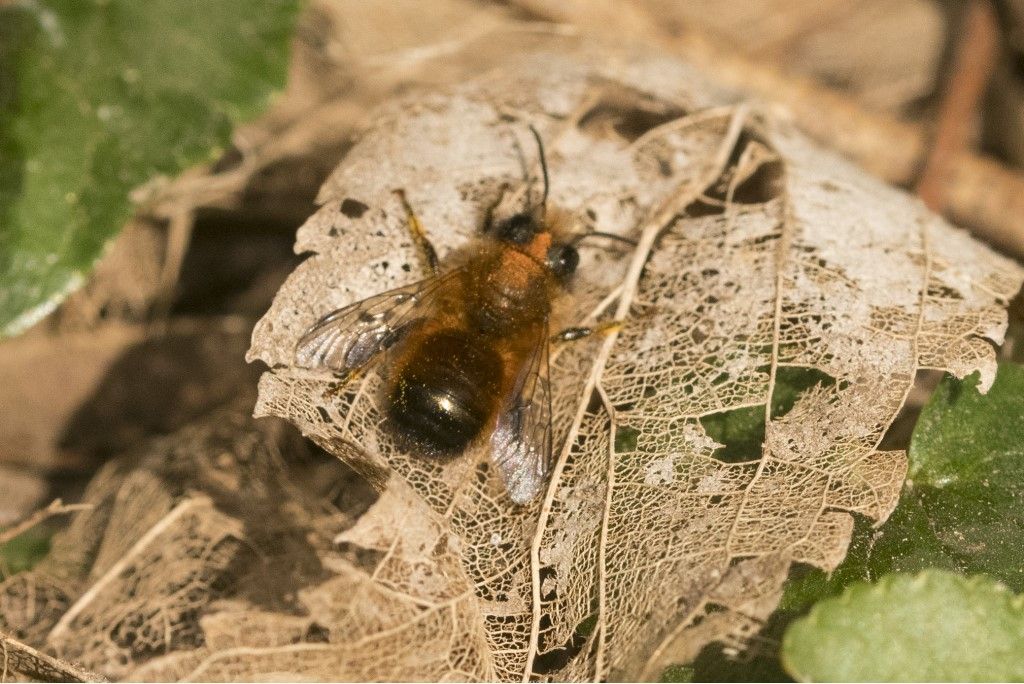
[204,531]
[959,509]
[757,252]
[406,599]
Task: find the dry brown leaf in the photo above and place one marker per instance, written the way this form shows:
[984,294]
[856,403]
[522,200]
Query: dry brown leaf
[385,594]
[757,252]
[206,513]
[21,658]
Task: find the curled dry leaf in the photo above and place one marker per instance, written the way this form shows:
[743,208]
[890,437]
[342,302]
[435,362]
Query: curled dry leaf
[757,252]
[205,531]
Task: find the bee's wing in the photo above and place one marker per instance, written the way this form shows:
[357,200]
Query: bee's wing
[351,337]
[521,442]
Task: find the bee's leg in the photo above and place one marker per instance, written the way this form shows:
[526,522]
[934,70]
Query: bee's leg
[573,334]
[419,235]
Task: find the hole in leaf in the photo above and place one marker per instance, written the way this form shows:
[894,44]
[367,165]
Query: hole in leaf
[741,430]
[759,663]
[700,208]
[625,439]
[628,114]
[944,292]
[317,634]
[353,208]
[899,432]
[763,184]
[544,575]
[363,558]
[557,658]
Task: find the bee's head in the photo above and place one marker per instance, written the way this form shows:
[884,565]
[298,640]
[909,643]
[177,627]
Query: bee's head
[519,229]
[531,234]
[530,231]
[562,259]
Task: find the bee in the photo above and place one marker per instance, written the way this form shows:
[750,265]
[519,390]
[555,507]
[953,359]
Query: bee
[464,354]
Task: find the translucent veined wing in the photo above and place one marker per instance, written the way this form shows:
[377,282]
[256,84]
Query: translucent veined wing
[351,337]
[521,442]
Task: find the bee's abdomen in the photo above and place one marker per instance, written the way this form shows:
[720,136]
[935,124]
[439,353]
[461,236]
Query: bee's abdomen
[444,394]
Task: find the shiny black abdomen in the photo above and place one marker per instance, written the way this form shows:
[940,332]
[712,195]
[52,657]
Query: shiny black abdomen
[444,394]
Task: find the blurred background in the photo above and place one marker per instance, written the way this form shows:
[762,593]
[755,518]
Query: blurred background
[164,287]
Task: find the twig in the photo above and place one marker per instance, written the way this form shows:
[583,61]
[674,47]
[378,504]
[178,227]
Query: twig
[23,659]
[56,507]
[977,53]
[179,235]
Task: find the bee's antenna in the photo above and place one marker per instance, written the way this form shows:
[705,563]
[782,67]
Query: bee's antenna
[596,233]
[543,168]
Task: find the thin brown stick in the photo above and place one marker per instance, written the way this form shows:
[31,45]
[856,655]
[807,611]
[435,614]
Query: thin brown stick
[179,235]
[21,658]
[977,53]
[56,507]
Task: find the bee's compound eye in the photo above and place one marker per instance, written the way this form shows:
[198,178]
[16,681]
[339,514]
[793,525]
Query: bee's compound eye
[563,260]
[518,229]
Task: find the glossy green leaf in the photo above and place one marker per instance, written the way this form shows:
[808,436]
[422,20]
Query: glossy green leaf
[97,97]
[935,626]
[964,438]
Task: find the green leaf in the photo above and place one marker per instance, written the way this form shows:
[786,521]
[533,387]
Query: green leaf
[936,626]
[24,551]
[677,673]
[98,96]
[960,509]
[741,431]
[964,438]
